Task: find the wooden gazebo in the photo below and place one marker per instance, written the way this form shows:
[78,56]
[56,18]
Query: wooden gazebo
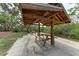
[48,14]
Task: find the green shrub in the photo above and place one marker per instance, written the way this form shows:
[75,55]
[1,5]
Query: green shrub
[67,30]
[19,28]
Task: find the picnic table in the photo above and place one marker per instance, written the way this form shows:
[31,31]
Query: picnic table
[45,37]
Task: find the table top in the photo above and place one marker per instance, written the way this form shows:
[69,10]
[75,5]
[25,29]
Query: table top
[46,34]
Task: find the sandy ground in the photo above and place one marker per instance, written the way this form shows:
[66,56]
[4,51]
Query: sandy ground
[29,46]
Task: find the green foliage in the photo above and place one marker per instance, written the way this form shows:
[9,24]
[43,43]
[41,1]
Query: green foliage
[10,17]
[42,29]
[11,8]
[67,30]
[19,28]
[74,10]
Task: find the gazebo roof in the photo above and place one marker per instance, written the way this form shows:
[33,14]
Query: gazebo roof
[44,13]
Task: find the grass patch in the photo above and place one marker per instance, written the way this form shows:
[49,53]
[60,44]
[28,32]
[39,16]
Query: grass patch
[7,39]
[5,44]
[3,52]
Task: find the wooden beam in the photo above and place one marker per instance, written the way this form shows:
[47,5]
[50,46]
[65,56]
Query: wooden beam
[57,20]
[46,13]
[47,21]
[34,16]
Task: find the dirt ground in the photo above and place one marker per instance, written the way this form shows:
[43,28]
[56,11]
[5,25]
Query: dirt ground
[11,35]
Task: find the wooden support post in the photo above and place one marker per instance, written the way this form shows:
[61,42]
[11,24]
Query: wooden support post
[52,34]
[39,29]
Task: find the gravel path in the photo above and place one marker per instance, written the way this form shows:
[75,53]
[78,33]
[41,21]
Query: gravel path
[28,46]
